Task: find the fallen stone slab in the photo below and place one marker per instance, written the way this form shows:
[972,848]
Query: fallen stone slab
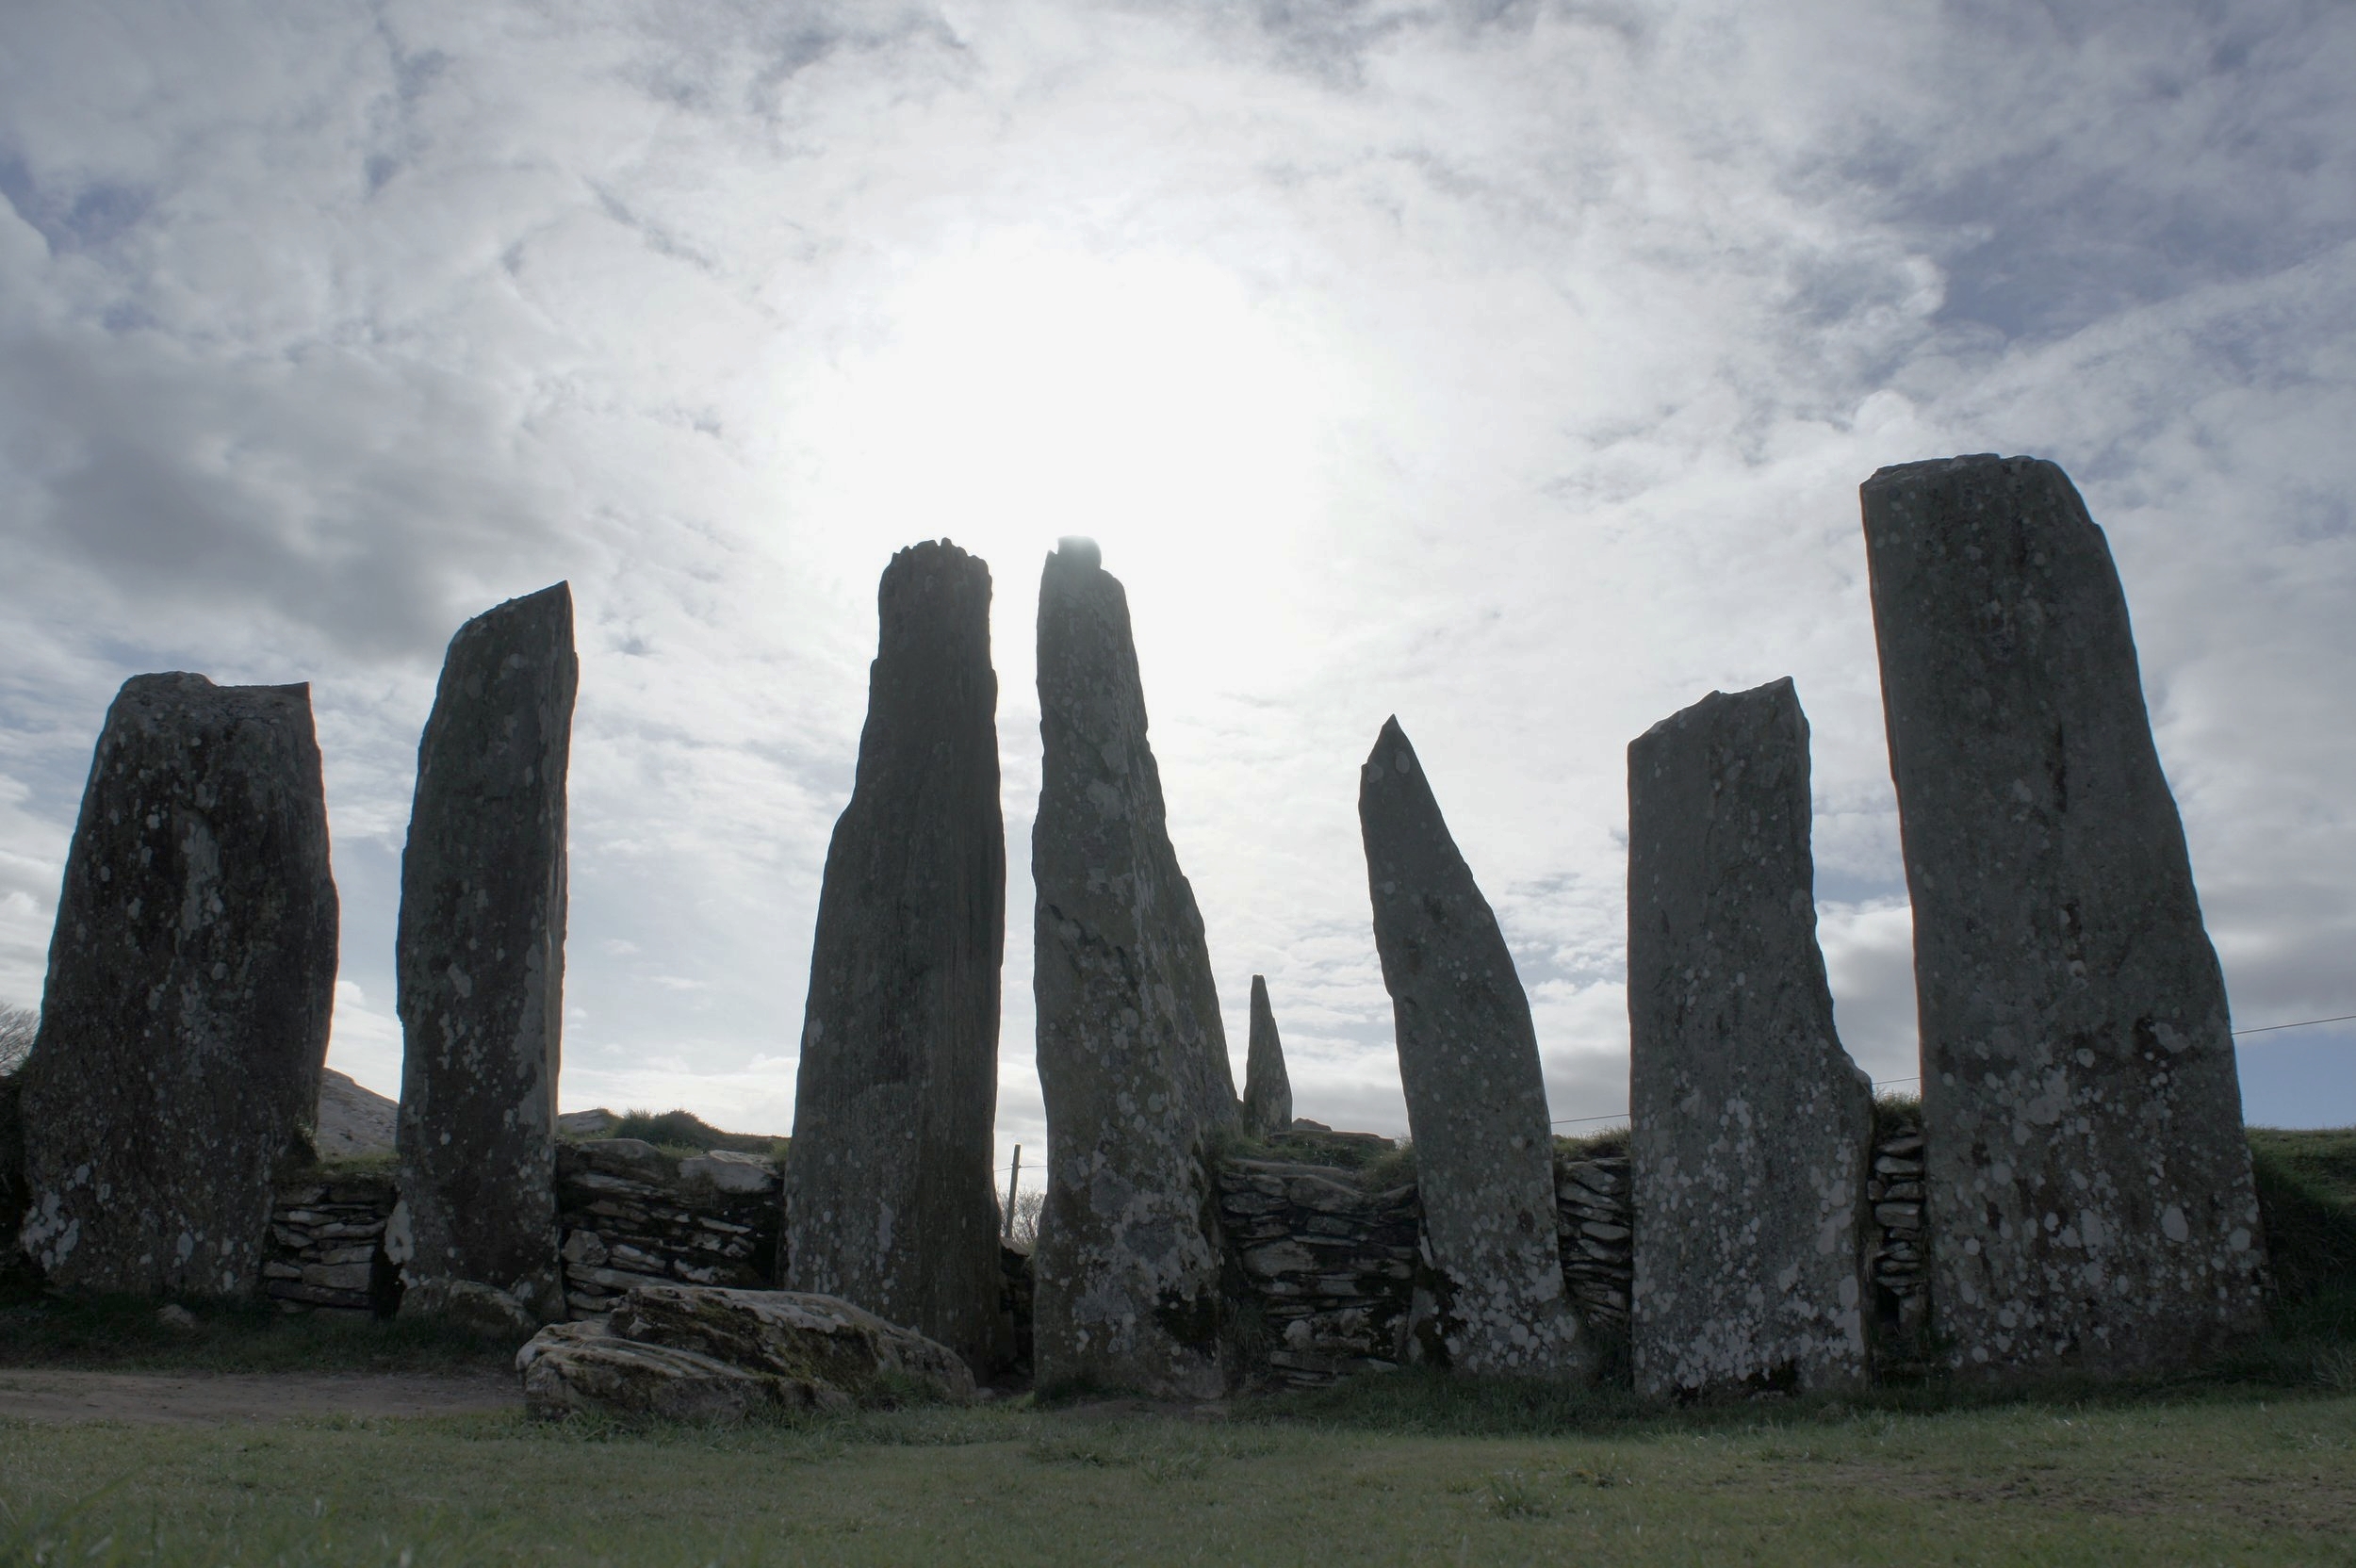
[1476,1096]
[2090,1202]
[184,1024]
[685,1352]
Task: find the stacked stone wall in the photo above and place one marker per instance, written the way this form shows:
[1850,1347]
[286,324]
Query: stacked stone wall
[1896,1251]
[631,1214]
[326,1251]
[1330,1266]
[1330,1269]
[1594,1220]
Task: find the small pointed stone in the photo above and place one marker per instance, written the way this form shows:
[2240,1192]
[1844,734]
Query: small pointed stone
[1267,1093]
[889,1196]
[1476,1096]
[191,977]
[2090,1197]
[1131,1055]
[481,964]
[1749,1125]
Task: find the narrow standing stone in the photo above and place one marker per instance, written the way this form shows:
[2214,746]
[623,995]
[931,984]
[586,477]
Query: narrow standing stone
[1476,1097]
[1267,1093]
[1132,1055]
[191,976]
[2091,1201]
[888,1191]
[482,964]
[1750,1126]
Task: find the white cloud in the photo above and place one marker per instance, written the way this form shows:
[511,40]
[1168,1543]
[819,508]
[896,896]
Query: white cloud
[1510,367]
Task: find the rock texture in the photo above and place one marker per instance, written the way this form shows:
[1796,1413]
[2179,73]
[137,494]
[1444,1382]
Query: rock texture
[1749,1124]
[2090,1200]
[888,1184]
[1895,1247]
[1326,1267]
[11,1170]
[1132,1055]
[1329,1264]
[190,978]
[1476,1099]
[634,1215]
[690,1352]
[1267,1092]
[481,961]
[354,1121]
[327,1244]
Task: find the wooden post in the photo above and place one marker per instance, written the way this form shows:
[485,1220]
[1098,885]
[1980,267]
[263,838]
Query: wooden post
[1013,1177]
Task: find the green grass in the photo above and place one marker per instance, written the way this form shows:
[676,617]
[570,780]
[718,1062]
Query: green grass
[685,1132]
[2219,1476]
[123,1334]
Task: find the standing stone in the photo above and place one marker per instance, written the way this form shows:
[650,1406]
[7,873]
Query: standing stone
[2090,1200]
[1132,1055]
[1267,1093]
[1750,1127]
[191,976]
[887,1190]
[481,967]
[11,1171]
[1476,1098]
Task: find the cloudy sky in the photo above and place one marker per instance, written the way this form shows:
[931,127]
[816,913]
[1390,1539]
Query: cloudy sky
[1508,367]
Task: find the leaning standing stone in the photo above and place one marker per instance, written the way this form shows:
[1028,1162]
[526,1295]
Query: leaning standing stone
[1749,1124]
[1132,1055]
[1267,1092]
[481,967]
[191,976]
[1476,1098]
[2090,1201]
[887,1190]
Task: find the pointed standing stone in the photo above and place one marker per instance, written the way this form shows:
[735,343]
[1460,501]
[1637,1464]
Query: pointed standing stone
[1267,1093]
[1749,1126]
[2091,1201]
[888,1196]
[1476,1097]
[482,964]
[1131,1055]
[191,976]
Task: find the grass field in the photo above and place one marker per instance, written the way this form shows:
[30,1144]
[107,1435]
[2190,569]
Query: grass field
[2213,1477]
[2253,1462]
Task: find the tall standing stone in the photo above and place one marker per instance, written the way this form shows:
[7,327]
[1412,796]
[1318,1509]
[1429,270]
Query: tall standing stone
[1267,1092]
[191,976]
[889,1196]
[2091,1194]
[1131,1055]
[482,964]
[1750,1127]
[1476,1096]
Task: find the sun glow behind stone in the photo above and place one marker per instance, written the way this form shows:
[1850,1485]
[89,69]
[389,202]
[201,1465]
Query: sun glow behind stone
[1023,390]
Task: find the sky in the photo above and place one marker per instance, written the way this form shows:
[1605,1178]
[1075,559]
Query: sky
[1510,367]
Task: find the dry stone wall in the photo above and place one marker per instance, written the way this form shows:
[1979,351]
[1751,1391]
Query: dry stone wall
[1333,1269]
[327,1245]
[1896,1260]
[632,1215]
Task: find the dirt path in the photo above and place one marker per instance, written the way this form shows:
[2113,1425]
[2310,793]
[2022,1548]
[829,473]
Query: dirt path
[213,1397]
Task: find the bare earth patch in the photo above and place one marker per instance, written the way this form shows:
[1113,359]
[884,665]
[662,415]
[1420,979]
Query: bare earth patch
[215,1397]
